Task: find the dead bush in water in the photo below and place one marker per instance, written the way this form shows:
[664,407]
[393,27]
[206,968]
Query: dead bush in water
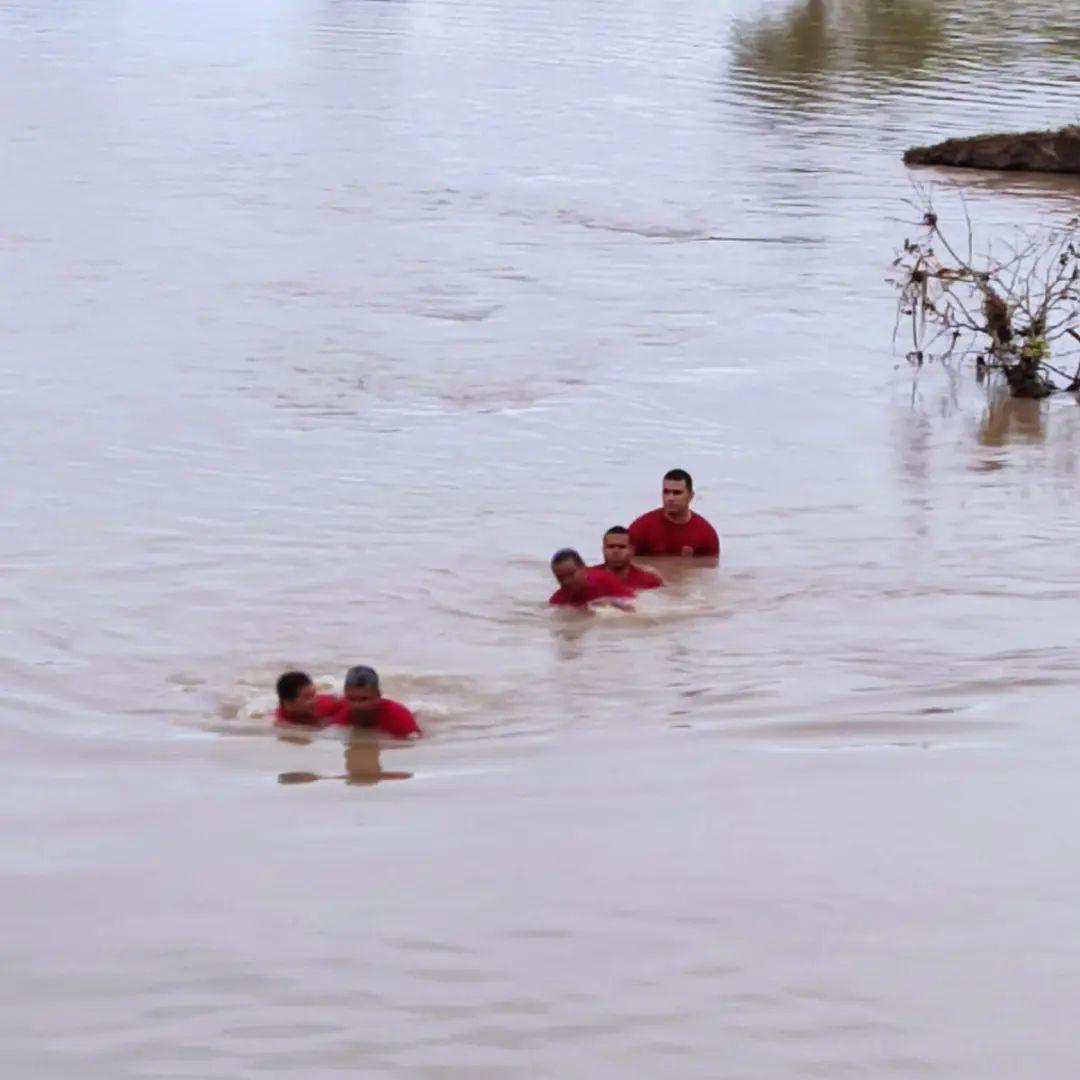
[1011,311]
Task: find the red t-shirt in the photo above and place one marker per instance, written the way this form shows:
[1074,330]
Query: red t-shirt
[654,534]
[599,583]
[326,705]
[637,577]
[391,718]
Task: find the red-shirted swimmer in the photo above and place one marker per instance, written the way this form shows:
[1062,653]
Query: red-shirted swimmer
[674,529]
[363,706]
[619,560]
[301,704]
[578,585]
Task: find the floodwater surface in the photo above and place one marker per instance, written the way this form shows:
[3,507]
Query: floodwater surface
[325,323]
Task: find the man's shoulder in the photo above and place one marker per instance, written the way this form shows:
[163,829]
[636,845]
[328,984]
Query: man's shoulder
[601,574]
[704,524]
[643,578]
[611,584]
[397,719]
[648,518]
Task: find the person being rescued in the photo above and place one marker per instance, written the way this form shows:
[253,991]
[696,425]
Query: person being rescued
[364,707]
[579,585]
[361,707]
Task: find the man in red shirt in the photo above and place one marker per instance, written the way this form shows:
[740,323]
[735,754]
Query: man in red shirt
[363,706]
[579,585]
[674,529]
[619,560]
[299,703]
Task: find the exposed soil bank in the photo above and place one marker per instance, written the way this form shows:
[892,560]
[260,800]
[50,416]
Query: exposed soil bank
[1033,151]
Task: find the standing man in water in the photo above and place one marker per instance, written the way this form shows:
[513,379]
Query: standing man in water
[579,585]
[674,529]
[619,560]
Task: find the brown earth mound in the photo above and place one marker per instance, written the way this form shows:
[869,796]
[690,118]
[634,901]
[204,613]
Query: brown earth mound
[1034,151]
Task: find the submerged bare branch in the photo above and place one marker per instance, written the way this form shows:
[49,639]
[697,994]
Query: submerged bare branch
[1006,311]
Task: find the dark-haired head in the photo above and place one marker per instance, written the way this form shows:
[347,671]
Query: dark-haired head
[569,570]
[680,474]
[678,493]
[291,684]
[618,551]
[566,555]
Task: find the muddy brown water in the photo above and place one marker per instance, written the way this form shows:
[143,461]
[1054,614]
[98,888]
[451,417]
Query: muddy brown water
[324,324]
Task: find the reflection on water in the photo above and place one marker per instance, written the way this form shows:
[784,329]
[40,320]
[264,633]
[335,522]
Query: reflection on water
[796,51]
[1008,419]
[363,768]
[812,49]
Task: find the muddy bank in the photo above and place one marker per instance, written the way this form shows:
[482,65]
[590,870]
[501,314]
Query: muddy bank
[1032,151]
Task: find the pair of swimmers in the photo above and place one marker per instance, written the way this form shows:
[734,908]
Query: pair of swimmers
[360,707]
[671,529]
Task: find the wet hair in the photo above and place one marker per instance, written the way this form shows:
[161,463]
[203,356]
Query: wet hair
[680,474]
[290,684]
[566,553]
[617,530]
[360,676]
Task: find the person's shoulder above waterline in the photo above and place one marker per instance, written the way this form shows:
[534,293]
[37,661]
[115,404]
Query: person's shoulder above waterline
[324,708]
[596,583]
[636,577]
[388,716]
[655,534]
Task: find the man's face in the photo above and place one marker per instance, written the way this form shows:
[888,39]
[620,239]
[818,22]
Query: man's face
[303,705]
[617,553]
[570,575]
[363,700]
[677,498]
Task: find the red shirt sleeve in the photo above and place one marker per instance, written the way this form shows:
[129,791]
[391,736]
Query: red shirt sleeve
[645,579]
[706,542]
[395,719]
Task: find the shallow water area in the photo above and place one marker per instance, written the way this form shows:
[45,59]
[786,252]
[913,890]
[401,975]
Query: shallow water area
[327,323]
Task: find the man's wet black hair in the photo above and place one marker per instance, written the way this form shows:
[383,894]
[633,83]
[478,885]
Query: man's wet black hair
[566,553]
[680,474]
[618,530]
[290,684]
